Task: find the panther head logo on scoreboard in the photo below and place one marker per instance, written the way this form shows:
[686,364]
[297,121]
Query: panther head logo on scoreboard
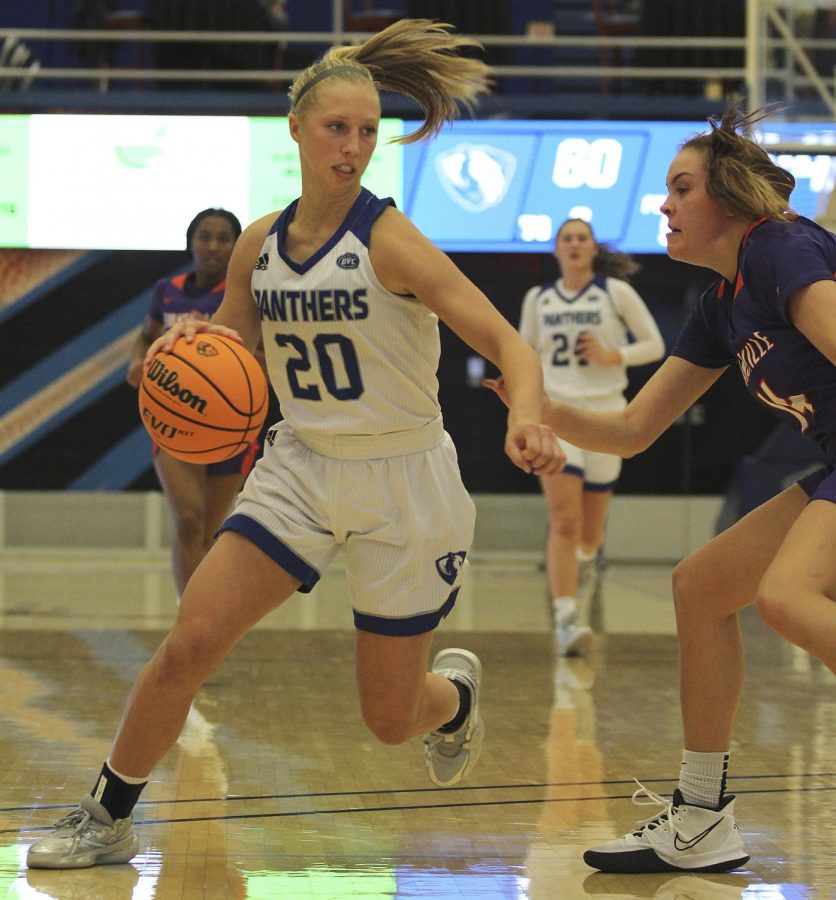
[475,176]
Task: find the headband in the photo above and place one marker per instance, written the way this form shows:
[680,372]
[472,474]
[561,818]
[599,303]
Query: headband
[334,70]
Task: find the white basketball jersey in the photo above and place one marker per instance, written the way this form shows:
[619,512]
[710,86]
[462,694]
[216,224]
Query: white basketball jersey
[553,319]
[345,355]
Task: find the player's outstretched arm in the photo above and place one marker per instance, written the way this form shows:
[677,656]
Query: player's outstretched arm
[406,262]
[673,388]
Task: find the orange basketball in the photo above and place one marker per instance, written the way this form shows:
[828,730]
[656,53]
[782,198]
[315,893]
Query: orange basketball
[205,401]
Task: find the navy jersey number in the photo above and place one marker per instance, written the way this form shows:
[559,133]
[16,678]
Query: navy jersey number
[328,348]
[561,355]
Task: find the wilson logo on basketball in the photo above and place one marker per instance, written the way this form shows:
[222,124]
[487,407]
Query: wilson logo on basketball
[167,380]
[204,348]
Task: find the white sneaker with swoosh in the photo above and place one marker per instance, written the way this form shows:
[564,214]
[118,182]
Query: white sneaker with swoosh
[680,837]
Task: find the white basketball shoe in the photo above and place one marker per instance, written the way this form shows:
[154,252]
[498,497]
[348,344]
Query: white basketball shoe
[680,837]
[85,837]
[448,757]
[573,638]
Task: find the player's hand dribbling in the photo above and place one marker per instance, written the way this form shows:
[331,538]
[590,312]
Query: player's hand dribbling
[188,329]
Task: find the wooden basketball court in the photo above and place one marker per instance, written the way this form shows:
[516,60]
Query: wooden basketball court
[276,790]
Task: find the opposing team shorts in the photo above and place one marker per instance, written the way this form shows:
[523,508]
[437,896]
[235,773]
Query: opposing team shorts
[821,484]
[240,464]
[599,471]
[405,522]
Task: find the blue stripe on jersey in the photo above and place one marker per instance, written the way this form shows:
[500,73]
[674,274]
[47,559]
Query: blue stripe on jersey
[406,627]
[277,550]
[361,217]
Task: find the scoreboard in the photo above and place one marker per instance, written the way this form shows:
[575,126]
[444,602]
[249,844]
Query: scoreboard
[493,186]
[507,185]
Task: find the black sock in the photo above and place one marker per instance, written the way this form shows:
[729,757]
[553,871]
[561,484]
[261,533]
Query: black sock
[464,708]
[116,796]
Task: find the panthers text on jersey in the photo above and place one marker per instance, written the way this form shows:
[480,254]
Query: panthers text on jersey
[345,355]
[554,318]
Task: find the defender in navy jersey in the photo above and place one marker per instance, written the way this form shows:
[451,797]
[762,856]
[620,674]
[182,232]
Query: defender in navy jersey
[199,496]
[587,327]
[748,323]
[347,295]
[773,315]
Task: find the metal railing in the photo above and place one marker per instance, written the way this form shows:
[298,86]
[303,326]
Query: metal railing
[757,46]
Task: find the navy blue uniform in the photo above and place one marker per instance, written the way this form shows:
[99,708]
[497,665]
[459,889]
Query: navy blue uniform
[178,298]
[748,323]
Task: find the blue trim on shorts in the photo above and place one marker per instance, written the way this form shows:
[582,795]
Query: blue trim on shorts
[406,627]
[278,551]
[572,470]
[609,486]
[821,484]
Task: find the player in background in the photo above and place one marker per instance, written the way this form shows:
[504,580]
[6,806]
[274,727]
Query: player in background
[587,328]
[347,295]
[772,313]
[199,496]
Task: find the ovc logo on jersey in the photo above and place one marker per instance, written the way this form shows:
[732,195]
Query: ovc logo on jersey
[476,176]
[348,261]
[449,566]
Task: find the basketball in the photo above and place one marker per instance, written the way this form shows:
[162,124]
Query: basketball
[204,401]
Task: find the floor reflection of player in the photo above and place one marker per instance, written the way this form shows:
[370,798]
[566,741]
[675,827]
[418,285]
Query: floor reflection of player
[574,809]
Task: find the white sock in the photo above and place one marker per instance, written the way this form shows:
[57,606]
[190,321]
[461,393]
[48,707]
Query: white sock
[585,555]
[565,610]
[128,779]
[702,778]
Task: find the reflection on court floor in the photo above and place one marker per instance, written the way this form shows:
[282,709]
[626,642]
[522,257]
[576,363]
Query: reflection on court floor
[276,790]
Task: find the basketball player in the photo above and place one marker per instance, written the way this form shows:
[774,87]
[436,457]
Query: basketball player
[199,496]
[347,295]
[773,314]
[587,327]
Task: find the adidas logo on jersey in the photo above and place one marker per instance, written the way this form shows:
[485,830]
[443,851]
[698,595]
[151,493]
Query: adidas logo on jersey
[348,261]
[262,263]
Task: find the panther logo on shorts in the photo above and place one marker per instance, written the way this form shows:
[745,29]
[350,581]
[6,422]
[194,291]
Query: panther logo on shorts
[449,566]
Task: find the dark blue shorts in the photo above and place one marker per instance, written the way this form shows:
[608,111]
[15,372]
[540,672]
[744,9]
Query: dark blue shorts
[240,464]
[821,484]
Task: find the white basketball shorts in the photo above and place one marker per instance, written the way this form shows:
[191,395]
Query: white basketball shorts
[599,471]
[405,522]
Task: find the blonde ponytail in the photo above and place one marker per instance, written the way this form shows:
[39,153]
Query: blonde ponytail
[416,57]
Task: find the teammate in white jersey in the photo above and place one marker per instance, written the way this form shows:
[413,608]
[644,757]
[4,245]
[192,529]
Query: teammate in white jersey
[347,294]
[587,327]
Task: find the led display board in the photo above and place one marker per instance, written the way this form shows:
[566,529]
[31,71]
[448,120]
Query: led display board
[134,182]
